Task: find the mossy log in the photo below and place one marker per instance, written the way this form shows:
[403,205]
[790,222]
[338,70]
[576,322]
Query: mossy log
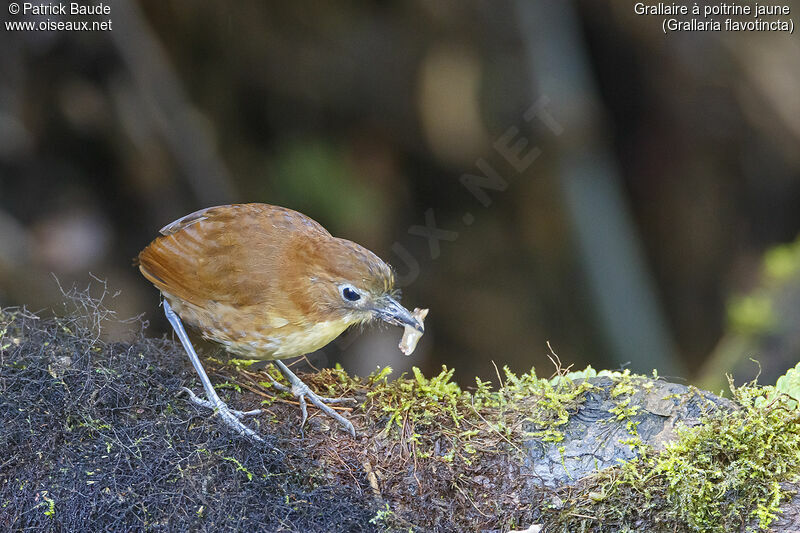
[97,436]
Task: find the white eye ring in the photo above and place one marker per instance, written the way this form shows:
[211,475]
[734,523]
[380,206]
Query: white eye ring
[350,293]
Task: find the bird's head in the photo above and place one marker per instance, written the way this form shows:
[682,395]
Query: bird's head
[350,283]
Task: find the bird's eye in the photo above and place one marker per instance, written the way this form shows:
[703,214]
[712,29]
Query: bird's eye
[350,294]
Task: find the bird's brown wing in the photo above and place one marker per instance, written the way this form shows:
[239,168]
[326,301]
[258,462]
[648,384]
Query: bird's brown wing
[230,254]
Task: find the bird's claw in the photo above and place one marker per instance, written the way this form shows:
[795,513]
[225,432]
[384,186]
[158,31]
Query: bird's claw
[232,419]
[319,402]
[229,416]
[302,388]
[302,392]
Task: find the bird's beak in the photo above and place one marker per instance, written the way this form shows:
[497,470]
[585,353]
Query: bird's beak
[389,310]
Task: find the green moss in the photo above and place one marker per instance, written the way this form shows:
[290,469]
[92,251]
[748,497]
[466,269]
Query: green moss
[48,503]
[242,363]
[228,385]
[239,466]
[419,400]
[717,476]
[743,454]
[556,400]
[625,385]
[382,516]
[423,409]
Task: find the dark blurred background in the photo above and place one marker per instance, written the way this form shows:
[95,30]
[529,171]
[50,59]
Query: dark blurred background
[535,171]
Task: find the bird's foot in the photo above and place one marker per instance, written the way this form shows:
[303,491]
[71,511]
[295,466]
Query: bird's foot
[301,391]
[230,416]
[210,405]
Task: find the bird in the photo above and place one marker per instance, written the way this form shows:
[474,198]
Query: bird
[267,283]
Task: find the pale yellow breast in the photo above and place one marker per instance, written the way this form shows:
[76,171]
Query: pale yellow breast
[283,343]
[252,333]
[309,340]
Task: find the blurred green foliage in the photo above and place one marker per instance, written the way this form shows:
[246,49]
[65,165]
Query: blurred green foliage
[315,176]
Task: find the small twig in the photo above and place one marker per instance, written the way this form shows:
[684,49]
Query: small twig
[497,371]
[309,363]
[583,516]
[556,360]
[469,500]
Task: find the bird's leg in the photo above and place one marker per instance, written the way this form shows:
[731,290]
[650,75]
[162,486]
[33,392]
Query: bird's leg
[301,391]
[228,415]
